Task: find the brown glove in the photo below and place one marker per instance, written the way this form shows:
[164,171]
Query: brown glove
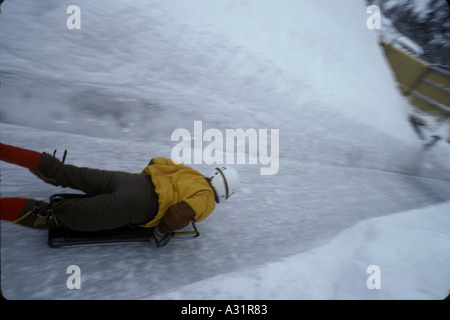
[176,217]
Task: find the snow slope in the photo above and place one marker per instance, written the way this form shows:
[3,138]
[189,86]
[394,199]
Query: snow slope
[409,268]
[113,92]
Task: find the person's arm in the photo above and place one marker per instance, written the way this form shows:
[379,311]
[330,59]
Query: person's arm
[182,213]
[176,217]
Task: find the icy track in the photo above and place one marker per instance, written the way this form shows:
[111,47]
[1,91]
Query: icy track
[355,187]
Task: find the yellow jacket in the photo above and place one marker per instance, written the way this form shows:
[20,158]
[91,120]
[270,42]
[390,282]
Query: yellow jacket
[175,183]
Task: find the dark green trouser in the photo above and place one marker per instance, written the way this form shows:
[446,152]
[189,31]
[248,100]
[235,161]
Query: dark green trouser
[115,198]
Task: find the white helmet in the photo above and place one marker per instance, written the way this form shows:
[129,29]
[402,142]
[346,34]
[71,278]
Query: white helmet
[224,180]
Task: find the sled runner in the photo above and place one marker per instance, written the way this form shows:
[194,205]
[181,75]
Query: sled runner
[63,237]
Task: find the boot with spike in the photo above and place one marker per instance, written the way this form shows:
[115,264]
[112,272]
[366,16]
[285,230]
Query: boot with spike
[38,215]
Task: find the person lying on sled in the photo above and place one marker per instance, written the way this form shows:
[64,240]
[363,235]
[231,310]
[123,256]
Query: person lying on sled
[166,195]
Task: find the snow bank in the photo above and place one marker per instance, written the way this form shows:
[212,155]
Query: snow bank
[230,64]
[399,245]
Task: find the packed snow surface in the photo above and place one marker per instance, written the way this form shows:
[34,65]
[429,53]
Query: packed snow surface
[354,189]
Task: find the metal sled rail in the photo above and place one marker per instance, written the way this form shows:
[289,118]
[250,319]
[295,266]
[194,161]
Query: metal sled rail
[58,237]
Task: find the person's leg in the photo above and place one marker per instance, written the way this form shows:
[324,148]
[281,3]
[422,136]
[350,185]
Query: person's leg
[90,181]
[27,212]
[37,214]
[12,208]
[131,201]
[115,198]
[52,170]
[22,157]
